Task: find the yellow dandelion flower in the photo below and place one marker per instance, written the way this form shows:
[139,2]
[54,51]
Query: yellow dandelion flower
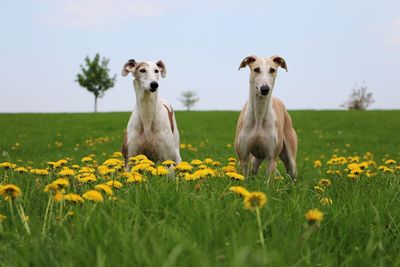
[314,216]
[88,178]
[136,178]
[2,218]
[317,164]
[254,200]
[146,161]
[74,198]
[168,163]
[390,162]
[61,183]
[352,176]
[6,165]
[117,154]
[54,164]
[319,189]
[41,172]
[10,191]
[114,184]
[183,166]
[104,188]
[235,176]
[191,176]
[87,170]
[202,166]
[66,172]
[138,157]
[232,159]
[239,190]
[229,169]
[363,165]
[93,195]
[56,185]
[324,182]
[216,163]
[279,177]
[160,170]
[326,201]
[370,173]
[140,167]
[113,162]
[62,162]
[21,169]
[208,161]
[58,196]
[357,171]
[388,170]
[196,162]
[75,166]
[86,159]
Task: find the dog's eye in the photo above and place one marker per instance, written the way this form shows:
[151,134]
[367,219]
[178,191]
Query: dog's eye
[156,71]
[271,70]
[142,70]
[257,70]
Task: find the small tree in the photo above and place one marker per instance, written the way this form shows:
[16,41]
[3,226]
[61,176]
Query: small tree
[95,77]
[359,99]
[189,99]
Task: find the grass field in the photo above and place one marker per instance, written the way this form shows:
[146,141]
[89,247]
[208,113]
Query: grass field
[168,221]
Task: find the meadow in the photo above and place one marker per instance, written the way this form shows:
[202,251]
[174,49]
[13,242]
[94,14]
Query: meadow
[349,176]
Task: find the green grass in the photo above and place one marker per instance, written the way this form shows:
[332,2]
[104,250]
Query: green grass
[169,222]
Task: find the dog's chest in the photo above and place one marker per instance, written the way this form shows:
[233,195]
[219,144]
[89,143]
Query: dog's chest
[262,142]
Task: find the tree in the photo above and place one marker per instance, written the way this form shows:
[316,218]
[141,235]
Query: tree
[189,99]
[359,99]
[95,77]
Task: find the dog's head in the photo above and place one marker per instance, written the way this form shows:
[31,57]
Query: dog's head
[263,72]
[145,73]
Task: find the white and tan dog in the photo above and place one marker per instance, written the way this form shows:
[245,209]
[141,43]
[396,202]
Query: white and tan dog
[264,129]
[152,129]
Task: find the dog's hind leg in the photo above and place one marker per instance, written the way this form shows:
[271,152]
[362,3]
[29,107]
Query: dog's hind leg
[124,150]
[289,161]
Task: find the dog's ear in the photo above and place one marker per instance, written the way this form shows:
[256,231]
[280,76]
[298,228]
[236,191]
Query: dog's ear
[248,60]
[128,67]
[280,61]
[162,68]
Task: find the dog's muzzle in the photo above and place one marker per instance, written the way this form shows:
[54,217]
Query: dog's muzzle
[153,86]
[264,90]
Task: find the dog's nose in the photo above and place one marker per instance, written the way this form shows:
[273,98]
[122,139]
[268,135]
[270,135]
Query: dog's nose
[264,89]
[153,86]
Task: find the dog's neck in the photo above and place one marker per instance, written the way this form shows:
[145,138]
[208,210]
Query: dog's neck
[260,107]
[146,103]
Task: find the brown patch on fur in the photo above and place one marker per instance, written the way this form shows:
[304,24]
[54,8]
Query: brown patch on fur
[170,116]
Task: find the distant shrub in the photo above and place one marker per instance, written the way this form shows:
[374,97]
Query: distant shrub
[360,98]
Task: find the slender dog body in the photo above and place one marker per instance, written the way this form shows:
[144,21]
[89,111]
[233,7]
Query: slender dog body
[264,129]
[152,128]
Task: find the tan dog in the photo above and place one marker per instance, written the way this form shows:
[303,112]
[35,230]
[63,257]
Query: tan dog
[152,128]
[264,129]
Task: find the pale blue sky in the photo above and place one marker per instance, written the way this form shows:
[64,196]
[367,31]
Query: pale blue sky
[328,45]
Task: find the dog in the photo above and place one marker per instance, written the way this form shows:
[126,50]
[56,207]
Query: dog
[264,128]
[152,129]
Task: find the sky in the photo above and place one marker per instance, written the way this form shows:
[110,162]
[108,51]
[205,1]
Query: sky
[330,48]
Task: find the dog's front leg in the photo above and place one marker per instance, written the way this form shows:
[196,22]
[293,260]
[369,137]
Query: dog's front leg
[271,170]
[255,165]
